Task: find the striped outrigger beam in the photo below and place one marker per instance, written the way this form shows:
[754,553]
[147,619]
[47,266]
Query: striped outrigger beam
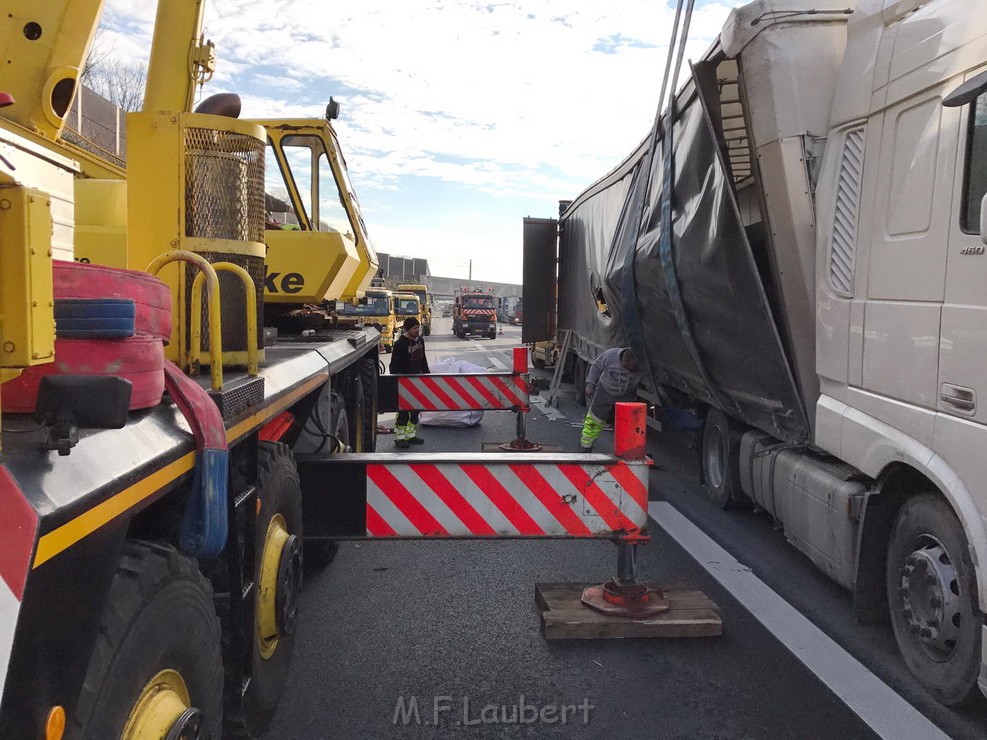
[464,392]
[512,499]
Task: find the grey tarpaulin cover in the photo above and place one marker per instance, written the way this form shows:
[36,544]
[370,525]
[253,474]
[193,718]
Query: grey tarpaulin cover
[700,315]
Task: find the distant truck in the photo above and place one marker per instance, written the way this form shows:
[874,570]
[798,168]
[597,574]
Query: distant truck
[406,305]
[509,310]
[375,309]
[474,312]
[425,299]
[807,274]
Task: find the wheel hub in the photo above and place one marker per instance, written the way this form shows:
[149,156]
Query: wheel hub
[163,710]
[289,585]
[279,586]
[715,457]
[930,597]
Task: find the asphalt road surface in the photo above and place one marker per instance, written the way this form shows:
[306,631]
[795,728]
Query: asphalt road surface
[441,639]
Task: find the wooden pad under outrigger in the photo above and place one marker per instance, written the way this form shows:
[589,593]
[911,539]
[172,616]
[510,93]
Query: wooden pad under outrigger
[565,617]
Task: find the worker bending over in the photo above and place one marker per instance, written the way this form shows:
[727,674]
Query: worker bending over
[614,377]
[408,358]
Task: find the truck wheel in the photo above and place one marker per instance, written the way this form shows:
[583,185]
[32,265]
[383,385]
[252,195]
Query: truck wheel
[537,362]
[461,334]
[569,369]
[278,579]
[156,665]
[721,460]
[932,593]
[367,370]
[356,416]
[427,330]
[579,379]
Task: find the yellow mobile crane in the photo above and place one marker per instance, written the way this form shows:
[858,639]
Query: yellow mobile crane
[149,574]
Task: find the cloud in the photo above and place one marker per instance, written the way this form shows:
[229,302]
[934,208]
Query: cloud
[527,99]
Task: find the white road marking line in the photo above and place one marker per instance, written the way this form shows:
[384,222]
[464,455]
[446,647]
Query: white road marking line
[498,365]
[884,711]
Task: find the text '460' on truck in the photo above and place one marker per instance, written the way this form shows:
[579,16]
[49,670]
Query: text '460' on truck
[807,272]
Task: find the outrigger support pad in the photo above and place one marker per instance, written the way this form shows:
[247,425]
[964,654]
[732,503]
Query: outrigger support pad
[624,595]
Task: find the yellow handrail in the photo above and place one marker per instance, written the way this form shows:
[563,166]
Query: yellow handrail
[215,317]
[251,296]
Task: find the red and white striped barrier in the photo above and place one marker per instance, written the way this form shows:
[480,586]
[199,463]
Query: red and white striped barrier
[18,528]
[504,391]
[478,312]
[493,392]
[515,499]
[516,495]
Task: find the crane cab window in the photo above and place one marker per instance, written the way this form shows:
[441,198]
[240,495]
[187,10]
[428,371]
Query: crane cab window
[975,183]
[312,185]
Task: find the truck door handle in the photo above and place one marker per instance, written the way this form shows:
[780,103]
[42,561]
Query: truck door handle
[964,399]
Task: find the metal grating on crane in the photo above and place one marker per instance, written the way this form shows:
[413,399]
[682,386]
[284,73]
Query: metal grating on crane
[224,185]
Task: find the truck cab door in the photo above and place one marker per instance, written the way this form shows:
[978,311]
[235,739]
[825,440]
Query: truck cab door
[963,344]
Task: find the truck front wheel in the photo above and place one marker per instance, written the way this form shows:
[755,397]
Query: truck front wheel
[156,665]
[932,593]
[721,460]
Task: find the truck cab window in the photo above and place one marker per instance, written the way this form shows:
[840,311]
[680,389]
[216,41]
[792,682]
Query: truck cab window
[975,184]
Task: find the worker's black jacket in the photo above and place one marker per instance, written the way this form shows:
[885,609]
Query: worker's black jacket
[408,356]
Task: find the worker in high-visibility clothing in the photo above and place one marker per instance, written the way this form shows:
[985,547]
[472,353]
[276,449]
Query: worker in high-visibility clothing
[614,377]
[408,358]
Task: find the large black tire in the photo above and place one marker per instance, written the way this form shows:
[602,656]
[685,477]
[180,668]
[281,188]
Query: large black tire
[720,458]
[356,414]
[280,493]
[537,362]
[367,372]
[427,329]
[579,381]
[932,594]
[159,616]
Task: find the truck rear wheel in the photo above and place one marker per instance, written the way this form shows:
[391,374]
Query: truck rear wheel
[721,460]
[427,329]
[277,574]
[156,666]
[932,594]
[579,381]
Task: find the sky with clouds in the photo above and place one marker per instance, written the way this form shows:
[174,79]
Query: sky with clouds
[459,117]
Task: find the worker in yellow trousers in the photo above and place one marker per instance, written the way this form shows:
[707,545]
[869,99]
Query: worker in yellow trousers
[614,376]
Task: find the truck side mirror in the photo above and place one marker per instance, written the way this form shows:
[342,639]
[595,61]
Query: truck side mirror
[983,219]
